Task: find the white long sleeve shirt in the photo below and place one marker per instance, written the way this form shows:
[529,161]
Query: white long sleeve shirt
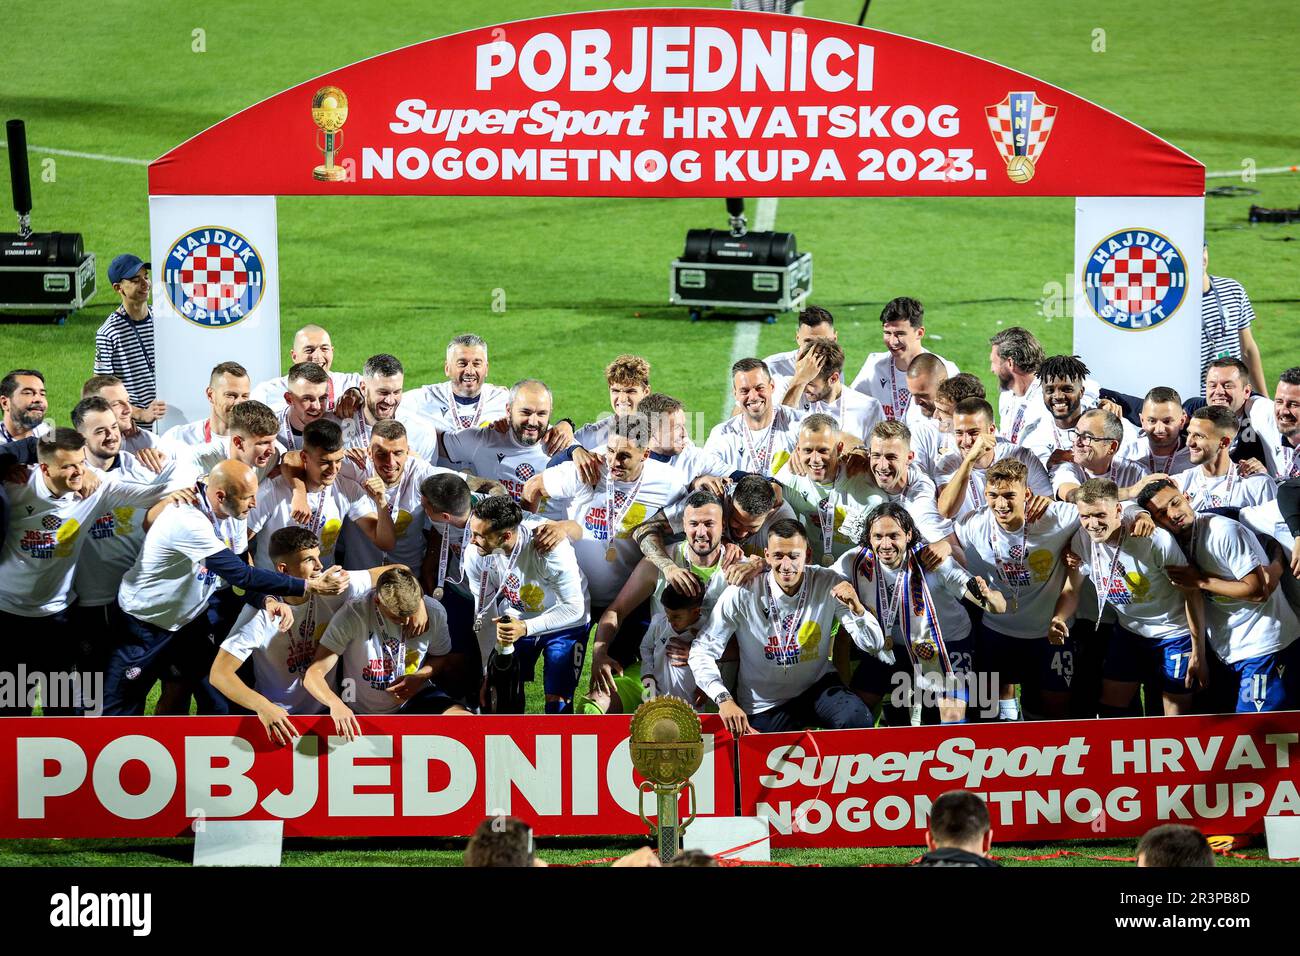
[548,591]
[776,667]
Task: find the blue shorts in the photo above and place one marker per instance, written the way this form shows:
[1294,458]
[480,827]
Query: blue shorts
[1134,659]
[562,655]
[1266,682]
[1034,662]
[874,676]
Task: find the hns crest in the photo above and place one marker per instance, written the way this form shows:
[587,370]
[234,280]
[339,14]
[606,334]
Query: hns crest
[1021,125]
[214,277]
[1135,279]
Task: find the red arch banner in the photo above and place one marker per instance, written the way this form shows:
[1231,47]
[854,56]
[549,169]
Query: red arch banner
[675,102]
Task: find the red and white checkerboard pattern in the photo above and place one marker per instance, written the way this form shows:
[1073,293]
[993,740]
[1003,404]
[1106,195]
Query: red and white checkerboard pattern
[1135,280]
[1041,118]
[214,277]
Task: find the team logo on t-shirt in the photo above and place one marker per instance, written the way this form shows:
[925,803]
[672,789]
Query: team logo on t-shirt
[515,485]
[1013,567]
[803,648]
[1135,279]
[214,277]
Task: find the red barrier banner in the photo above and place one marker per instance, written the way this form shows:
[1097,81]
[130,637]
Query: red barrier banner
[676,102]
[1052,780]
[407,776]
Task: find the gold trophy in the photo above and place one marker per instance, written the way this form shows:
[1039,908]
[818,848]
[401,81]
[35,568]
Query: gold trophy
[666,749]
[329,111]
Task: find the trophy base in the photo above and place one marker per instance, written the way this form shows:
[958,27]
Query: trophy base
[329,174]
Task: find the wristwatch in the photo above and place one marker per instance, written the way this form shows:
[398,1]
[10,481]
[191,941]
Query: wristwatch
[722,698]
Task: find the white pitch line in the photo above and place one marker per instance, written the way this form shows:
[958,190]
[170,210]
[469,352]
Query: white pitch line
[744,344]
[76,155]
[744,341]
[1236,173]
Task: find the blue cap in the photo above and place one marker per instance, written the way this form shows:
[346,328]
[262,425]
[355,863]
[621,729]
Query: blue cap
[125,266]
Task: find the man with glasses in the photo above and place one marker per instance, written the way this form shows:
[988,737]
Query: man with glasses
[124,343]
[1096,445]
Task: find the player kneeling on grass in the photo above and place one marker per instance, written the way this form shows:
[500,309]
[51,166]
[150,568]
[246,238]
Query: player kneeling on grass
[922,613]
[1160,637]
[530,598]
[282,649]
[393,643]
[782,622]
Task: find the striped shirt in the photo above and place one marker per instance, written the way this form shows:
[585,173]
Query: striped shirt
[1225,311]
[125,348]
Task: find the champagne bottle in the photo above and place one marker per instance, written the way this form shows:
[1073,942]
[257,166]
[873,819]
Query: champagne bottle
[505,679]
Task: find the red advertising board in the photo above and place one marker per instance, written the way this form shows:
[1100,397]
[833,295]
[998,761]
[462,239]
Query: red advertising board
[407,776]
[1052,780]
[439,776]
[676,102]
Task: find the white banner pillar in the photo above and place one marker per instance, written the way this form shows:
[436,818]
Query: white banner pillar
[216,294]
[1137,293]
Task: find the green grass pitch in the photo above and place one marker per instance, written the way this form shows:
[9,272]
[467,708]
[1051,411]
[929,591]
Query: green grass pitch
[586,279]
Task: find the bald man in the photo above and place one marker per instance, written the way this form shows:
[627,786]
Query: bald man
[924,376]
[177,599]
[311,343]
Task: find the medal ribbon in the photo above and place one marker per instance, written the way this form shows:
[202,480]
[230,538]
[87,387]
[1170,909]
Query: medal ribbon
[1202,489]
[206,510]
[930,616]
[1020,412]
[489,564]
[399,663]
[478,410]
[826,511]
[1098,559]
[444,549]
[612,516]
[760,461]
[1024,547]
[787,637]
[897,407]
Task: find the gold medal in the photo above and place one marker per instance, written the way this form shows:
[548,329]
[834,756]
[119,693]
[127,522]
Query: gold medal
[437,594]
[611,554]
[828,559]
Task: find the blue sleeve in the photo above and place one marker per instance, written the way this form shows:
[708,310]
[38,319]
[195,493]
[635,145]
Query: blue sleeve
[241,575]
[1131,404]
[560,457]
[23,451]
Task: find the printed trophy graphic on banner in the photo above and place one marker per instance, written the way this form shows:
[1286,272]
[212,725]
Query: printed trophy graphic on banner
[666,749]
[329,111]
